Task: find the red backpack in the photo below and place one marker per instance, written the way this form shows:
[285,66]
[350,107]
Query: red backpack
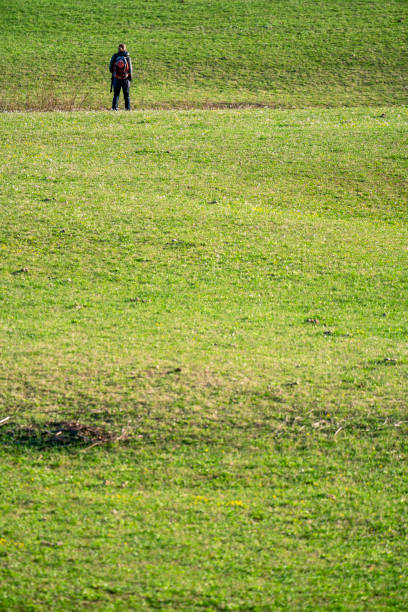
[121,68]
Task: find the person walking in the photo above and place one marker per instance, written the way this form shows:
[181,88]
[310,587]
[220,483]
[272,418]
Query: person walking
[121,69]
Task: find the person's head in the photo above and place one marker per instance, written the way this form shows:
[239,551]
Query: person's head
[122,47]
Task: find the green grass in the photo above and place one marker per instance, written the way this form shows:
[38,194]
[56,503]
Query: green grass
[203,314]
[227,290]
[280,53]
[302,526]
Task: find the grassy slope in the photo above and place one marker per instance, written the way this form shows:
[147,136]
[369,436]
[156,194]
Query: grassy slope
[280,52]
[300,227]
[268,472]
[231,291]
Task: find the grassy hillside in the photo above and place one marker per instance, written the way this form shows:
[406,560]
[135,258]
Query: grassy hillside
[204,360]
[205,241]
[291,53]
[203,315]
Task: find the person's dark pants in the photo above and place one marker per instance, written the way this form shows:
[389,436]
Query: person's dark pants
[119,84]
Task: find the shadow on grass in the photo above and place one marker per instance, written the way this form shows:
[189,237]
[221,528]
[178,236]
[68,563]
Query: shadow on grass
[75,434]
[296,430]
[57,434]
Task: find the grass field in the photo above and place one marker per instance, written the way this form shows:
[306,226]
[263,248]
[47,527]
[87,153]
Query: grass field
[203,337]
[204,351]
[280,53]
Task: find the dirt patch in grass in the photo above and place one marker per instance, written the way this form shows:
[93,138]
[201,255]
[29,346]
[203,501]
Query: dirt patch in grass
[53,102]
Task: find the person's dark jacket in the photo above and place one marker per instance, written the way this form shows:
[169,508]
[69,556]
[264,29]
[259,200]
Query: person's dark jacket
[113,60]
